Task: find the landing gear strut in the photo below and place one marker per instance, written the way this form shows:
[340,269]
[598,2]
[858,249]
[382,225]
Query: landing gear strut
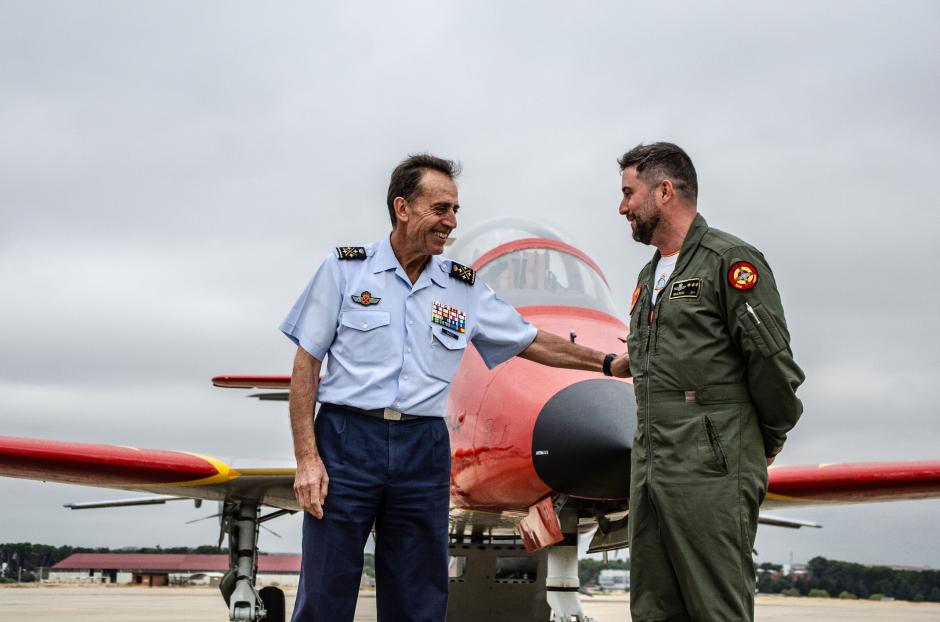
[241,522]
[562,585]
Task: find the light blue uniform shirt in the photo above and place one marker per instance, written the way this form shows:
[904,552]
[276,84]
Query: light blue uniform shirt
[394,353]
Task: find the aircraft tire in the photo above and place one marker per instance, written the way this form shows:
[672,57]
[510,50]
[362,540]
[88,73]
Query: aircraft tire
[273,599]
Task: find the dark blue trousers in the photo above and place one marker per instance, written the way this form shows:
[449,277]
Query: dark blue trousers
[395,475]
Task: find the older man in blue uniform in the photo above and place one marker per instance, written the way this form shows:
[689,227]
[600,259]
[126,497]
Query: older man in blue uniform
[395,320]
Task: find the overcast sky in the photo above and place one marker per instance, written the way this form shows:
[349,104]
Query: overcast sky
[172,172]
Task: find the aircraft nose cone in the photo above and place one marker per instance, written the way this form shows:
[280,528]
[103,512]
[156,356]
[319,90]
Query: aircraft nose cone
[582,439]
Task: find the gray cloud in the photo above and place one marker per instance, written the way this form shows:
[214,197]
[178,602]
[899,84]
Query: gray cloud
[170,174]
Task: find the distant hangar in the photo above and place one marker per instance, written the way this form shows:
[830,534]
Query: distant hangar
[160,569]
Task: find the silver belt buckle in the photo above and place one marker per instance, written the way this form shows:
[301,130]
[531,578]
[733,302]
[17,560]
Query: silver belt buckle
[391,415]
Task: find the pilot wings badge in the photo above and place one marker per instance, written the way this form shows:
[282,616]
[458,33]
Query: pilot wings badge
[365,299]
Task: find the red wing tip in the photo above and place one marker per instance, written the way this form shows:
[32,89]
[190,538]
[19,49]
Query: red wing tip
[251,382]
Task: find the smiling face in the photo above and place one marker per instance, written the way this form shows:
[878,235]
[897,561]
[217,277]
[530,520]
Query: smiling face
[639,206]
[431,214]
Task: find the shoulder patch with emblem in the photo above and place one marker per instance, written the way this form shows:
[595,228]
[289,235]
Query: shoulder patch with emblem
[462,273]
[635,298]
[689,288]
[742,275]
[351,252]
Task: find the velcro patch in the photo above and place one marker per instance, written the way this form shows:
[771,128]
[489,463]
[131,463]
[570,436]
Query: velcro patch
[742,275]
[636,296]
[351,252]
[689,288]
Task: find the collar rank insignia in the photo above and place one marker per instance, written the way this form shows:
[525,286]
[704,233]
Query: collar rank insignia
[689,288]
[351,252]
[742,275]
[462,272]
[365,299]
[449,317]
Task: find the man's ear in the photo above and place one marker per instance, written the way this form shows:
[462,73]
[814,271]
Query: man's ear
[401,208]
[665,192]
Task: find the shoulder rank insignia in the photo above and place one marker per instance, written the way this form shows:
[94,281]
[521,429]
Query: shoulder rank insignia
[742,275]
[351,252]
[462,272]
[365,299]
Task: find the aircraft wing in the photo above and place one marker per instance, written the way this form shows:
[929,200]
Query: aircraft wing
[175,473]
[863,482]
[195,476]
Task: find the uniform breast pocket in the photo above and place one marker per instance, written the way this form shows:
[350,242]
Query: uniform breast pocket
[447,348]
[365,336]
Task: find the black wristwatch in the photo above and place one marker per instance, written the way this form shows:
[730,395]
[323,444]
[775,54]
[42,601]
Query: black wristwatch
[607,361]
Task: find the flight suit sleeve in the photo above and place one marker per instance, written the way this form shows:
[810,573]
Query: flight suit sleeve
[754,313]
[499,332]
[311,322]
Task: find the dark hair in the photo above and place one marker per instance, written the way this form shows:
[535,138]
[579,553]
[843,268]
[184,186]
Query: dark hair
[660,161]
[406,178]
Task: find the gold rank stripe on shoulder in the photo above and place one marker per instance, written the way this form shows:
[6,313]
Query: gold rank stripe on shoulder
[462,272]
[351,252]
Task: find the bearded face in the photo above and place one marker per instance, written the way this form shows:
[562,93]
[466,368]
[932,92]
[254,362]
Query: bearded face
[645,219]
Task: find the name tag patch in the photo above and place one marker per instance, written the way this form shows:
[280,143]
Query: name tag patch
[689,288]
[449,317]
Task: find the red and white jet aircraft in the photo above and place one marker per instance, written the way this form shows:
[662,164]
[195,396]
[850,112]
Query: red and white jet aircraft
[540,455]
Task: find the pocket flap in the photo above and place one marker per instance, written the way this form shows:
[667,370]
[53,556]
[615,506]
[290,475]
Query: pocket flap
[451,339]
[365,320]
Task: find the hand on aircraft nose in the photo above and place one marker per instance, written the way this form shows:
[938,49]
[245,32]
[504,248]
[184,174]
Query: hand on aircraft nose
[310,486]
[620,366]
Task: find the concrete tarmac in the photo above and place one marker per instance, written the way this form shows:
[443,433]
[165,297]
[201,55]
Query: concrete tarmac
[196,604]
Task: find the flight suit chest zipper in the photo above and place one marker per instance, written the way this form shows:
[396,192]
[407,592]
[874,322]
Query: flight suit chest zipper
[649,405]
[652,341]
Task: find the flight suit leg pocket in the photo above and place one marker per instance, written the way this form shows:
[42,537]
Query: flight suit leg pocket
[722,408]
[719,457]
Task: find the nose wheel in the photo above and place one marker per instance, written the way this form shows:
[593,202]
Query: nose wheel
[273,599]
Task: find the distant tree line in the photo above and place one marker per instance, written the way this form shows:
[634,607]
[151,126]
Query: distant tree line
[847,580]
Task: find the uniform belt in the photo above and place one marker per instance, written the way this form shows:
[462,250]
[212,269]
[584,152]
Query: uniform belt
[710,394]
[379,413]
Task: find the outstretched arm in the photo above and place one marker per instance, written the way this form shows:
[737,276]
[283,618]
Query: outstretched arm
[554,351]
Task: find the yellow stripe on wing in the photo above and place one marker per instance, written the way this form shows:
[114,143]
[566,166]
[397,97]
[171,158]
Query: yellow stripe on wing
[272,472]
[224,473]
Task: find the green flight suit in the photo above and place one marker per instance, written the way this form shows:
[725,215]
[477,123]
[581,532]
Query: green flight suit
[715,386]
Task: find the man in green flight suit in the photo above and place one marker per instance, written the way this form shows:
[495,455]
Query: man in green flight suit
[715,386]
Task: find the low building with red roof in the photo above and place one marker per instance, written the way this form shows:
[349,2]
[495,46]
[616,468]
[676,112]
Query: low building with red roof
[155,569]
